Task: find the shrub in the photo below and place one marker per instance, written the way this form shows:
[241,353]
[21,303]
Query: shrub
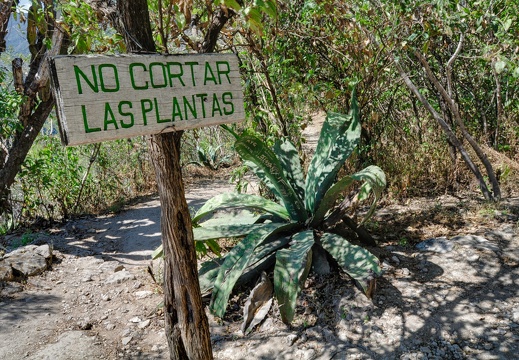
[291,230]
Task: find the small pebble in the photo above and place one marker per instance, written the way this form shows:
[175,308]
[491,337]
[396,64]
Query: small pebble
[291,339]
[126,340]
[144,324]
[488,346]
[473,257]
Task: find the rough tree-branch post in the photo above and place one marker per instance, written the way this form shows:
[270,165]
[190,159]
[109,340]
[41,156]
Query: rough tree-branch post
[103,98]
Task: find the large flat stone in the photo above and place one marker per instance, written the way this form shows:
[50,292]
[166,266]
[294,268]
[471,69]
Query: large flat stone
[120,277]
[475,242]
[44,250]
[440,245]
[27,263]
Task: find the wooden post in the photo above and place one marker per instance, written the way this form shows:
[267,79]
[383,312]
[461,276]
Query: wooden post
[187,328]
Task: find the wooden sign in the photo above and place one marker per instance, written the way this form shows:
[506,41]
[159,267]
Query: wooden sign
[101,98]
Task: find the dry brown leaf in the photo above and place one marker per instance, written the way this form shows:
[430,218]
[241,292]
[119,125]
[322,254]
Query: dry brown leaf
[258,304]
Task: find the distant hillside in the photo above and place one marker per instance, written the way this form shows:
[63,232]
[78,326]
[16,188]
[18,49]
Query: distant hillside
[16,40]
[16,44]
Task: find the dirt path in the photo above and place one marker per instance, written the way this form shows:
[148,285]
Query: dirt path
[99,302]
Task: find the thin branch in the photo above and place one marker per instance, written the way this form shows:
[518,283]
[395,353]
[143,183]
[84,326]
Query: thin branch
[455,112]
[499,105]
[451,61]
[446,128]
[93,157]
[161,28]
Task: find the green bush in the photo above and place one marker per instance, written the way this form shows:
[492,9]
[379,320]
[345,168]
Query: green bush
[59,182]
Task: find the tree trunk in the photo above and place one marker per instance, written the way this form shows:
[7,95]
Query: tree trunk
[32,115]
[187,328]
[18,152]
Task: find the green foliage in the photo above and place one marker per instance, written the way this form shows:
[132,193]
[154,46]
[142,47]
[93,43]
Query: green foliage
[339,137]
[317,48]
[294,230]
[50,176]
[252,12]
[10,101]
[211,156]
[253,150]
[57,182]
[241,200]
[237,260]
[292,268]
[89,32]
[208,147]
[24,240]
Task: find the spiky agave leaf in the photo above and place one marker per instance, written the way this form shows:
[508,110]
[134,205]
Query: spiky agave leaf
[263,177]
[201,247]
[290,163]
[356,261]
[253,149]
[375,181]
[261,259]
[339,137]
[207,274]
[238,216]
[288,157]
[205,235]
[292,267]
[240,200]
[236,261]
[224,231]
[375,185]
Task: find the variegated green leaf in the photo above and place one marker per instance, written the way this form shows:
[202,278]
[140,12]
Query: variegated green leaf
[356,261]
[262,254]
[263,177]
[290,163]
[242,224]
[236,216]
[235,262]
[373,176]
[208,273]
[292,267]
[272,244]
[240,200]
[340,135]
[253,149]
[224,231]
[200,247]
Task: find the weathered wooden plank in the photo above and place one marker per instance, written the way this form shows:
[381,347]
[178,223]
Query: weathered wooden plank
[102,98]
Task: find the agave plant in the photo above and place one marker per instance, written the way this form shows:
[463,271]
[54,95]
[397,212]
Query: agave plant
[289,231]
[210,156]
